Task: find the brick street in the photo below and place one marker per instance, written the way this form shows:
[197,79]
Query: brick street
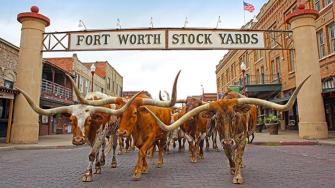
[266,166]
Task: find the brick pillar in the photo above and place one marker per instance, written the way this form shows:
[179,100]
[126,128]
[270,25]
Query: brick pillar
[29,75]
[312,122]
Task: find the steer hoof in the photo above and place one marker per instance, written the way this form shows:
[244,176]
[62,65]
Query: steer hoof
[87,177]
[194,160]
[232,171]
[145,170]
[114,163]
[102,162]
[97,170]
[159,165]
[202,157]
[238,179]
[136,177]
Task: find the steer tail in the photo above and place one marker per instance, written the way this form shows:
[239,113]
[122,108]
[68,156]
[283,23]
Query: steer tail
[109,144]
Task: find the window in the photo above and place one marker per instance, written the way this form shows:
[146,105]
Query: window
[321,44]
[292,59]
[273,36]
[9,84]
[258,54]
[81,85]
[108,83]
[331,31]
[327,2]
[317,5]
[87,86]
[232,71]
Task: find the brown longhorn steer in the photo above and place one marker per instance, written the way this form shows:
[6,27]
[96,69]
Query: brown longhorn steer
[177,134]
[88,123]
[229,118]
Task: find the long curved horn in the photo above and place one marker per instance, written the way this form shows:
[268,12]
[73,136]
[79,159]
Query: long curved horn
[118,111]
[160,95]
[272,105]
[82,100]
[166,93]
[168,103]
[39,110]
[181,120]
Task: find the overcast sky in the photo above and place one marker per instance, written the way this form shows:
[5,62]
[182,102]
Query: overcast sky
[141,70]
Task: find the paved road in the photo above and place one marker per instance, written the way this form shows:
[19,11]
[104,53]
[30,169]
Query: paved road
[266,166]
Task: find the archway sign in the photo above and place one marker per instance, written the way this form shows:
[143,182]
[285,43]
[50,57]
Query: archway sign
[166,39]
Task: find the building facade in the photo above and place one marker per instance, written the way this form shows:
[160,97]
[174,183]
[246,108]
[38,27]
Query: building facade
[270,74]
[9,55]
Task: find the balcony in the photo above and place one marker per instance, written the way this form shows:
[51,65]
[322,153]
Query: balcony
[260,85]
[54,92]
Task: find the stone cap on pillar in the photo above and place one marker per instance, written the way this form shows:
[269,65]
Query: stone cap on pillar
[301,11]
[33,14]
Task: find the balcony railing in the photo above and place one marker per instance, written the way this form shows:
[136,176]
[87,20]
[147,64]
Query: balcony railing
[56,90]
[262,79]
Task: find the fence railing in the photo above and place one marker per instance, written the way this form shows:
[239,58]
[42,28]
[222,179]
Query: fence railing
[56,90]
[261,79]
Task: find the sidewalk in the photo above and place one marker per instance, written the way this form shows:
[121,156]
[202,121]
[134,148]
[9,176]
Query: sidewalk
[45,142]
[62,141]
[290,138]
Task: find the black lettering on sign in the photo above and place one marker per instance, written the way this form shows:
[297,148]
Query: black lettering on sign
[238,38]
[104,36]
[157,38]
[223,38]
[123,39]
[246,38]
[140,39]
[230,39]
[254,39]
[175,39]
[96,39]
[208,39]
[89,40]
[80,38]
[132,39]
[183,38]
[198,38]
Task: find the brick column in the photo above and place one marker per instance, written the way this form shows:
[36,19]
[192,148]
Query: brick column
[312,121]
[29,75]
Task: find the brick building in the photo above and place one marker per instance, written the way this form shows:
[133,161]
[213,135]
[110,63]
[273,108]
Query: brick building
[270,74]
[9,55]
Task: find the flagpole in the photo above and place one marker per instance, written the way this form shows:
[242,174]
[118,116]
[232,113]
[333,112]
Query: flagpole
[243,13]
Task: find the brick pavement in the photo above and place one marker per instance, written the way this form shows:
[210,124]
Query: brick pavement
[284,166]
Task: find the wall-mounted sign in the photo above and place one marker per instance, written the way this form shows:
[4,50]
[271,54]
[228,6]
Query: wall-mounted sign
[166,39]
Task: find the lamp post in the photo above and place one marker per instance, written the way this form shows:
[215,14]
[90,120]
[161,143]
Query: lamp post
[92,71]
[202,90]
[243,67]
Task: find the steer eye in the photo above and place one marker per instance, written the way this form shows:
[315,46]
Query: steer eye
[86,110]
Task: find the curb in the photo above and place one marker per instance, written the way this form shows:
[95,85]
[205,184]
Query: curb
[286,143]
[6,148]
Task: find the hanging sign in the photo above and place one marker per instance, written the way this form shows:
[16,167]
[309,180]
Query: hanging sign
[166,39]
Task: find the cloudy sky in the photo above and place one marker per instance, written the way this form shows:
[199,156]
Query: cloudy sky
[141,70]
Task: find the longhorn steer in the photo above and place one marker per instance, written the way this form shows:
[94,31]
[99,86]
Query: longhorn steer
[88,123]
[229,117]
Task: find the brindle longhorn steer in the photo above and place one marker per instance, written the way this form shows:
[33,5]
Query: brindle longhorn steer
[229,118]
[195,129]
[88,123]
[137,122]
[211,133]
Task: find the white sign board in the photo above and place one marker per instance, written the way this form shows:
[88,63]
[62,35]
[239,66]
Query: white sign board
[166,39]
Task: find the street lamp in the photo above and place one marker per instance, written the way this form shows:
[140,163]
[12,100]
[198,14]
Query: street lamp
[82,24]
[92,71]
[243,67]
[202,89]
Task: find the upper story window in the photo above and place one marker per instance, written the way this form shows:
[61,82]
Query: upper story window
[8,84]
[331,31]
[81,85]
[321,44]
[108,83]
[292,59]
[327,2]
[317,5]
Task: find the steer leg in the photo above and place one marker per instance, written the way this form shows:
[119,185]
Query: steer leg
[207,143]
[161,144]
[114,162]
[121,146]
[201,146]
[229,153]
[141,157]
[238,179]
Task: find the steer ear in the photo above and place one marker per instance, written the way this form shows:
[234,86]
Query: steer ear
[242,108]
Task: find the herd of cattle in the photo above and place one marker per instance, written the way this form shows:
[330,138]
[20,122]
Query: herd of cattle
[101,120]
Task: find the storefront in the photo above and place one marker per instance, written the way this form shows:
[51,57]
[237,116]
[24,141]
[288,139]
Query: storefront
[7,96]
[328,93]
